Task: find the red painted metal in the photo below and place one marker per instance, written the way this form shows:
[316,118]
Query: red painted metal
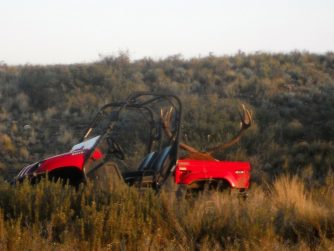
[188,171]
[71,159]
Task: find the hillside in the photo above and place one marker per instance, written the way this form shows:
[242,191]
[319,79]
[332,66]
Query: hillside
[44,109]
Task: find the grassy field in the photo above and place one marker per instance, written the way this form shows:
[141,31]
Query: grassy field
[287,215]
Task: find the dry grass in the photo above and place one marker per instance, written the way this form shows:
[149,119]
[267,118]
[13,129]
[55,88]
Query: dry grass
[284,216]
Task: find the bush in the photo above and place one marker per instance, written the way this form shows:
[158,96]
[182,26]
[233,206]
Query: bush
[92,217]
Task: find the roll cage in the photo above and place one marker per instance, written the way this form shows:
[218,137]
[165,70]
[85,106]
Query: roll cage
[161,153]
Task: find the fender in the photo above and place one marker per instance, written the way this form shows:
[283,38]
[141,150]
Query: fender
[72,159]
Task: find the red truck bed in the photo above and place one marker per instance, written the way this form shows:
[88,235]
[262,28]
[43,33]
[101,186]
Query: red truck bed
[237,174]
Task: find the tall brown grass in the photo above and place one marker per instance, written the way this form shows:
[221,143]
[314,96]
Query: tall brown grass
[286,215]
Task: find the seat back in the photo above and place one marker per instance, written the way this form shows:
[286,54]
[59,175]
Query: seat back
[147,161]
[162,159]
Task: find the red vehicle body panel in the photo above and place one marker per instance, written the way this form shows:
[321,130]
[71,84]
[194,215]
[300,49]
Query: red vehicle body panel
[72,159]
[188,171]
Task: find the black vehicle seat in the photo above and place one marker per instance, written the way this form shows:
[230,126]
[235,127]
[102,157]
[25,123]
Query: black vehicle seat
[155,163]
[144,166]
[161,159]
[147,161]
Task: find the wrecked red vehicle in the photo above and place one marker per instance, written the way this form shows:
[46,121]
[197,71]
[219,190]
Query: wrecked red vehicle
[129,140]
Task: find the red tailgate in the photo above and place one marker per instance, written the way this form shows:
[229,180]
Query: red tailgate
[236,173]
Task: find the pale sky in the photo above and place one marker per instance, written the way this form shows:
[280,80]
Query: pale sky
[78,31]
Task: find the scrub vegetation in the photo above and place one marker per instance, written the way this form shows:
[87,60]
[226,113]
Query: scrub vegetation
[282,216]
[44,110]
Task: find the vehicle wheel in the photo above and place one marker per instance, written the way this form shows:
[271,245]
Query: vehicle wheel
[216,185]
[181,192]
[108,174]
[243,194]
